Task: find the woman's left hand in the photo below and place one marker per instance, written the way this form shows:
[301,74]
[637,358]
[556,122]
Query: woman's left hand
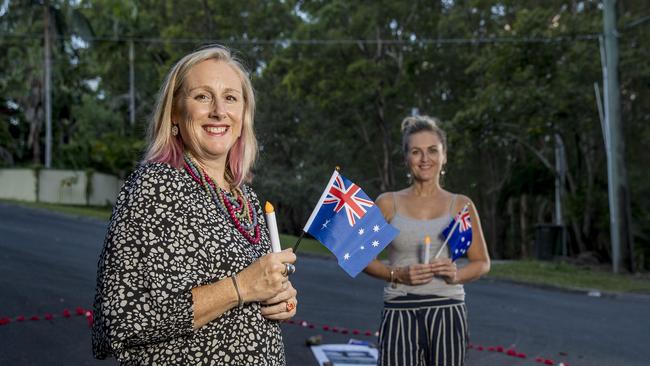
[283,305]
[446,269]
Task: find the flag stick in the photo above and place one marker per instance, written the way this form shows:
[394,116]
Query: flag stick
[295,246]
[451,232]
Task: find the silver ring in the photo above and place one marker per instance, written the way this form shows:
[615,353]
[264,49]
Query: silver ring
[289,269]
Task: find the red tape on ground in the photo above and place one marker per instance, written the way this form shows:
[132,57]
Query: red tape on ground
[79,311]
[512,352]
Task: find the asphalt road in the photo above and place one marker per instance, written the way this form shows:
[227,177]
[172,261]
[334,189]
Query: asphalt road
[48,264]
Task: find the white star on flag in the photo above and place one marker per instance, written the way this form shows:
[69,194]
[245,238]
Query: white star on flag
[362,247]
[325,224]
[375,243]
[346,256]
[375,228]
[361,231]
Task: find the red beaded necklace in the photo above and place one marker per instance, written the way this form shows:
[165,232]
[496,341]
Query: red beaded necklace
[239,209]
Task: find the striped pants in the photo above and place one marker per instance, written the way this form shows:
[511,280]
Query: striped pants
[423,330]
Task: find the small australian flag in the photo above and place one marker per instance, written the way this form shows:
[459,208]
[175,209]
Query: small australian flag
[349,224]
[461,234]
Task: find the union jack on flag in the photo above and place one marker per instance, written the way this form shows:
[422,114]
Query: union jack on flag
[355,235]
[347,197]
[463,220]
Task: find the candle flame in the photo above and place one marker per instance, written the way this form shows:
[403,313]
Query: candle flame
[268,207]
[427,240]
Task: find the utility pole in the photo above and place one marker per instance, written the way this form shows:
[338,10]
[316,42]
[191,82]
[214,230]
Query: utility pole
[131,84]
[619,205]
[47,85]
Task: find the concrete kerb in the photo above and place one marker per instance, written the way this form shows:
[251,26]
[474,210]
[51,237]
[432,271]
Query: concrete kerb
[588,292]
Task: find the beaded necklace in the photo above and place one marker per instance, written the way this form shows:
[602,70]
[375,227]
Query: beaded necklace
[237,206]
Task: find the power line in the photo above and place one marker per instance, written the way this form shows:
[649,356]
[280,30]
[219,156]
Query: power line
[637,22]
[288,42]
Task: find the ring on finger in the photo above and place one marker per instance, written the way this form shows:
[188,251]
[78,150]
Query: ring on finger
[289,269]
[290,306]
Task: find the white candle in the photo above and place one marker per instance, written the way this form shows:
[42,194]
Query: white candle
[273,227]
[427,249]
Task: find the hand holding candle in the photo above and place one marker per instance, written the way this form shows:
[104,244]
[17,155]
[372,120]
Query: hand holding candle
[273,227]
[427,249]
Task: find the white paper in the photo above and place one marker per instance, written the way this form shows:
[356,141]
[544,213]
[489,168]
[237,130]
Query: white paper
[345,354]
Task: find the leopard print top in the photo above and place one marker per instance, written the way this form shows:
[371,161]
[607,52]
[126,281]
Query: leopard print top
[166,237]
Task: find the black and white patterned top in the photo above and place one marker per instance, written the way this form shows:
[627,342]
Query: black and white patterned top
[166,237]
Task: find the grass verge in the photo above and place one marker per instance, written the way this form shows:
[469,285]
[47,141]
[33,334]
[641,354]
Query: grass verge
[567,275]
[542,273]
[98,212]
[311,246]
[307,245]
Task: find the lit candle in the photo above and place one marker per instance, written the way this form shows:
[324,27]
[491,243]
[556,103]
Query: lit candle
[427,249]
[273,227]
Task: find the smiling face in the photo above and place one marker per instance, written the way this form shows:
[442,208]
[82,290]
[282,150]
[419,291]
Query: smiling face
[210,110]
[425,155]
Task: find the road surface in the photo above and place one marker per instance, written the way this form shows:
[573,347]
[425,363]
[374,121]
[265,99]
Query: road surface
[48,264]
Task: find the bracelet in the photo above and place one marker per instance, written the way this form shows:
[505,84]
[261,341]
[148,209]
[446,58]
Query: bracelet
[393,284]
[240,301]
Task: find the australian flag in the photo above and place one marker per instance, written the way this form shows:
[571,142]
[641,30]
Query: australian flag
[461,234]
[349,224]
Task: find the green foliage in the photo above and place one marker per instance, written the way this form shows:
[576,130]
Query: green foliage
[99,141]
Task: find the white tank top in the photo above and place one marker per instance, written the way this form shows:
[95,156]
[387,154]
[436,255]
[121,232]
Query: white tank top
[408,248]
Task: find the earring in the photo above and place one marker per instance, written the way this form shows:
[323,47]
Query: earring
[443,172]
[174,130]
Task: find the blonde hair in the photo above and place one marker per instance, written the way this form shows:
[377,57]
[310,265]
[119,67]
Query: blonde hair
[415,124]
[163,147]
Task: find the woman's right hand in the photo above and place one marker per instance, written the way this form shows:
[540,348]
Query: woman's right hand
[265,278]
[414,274]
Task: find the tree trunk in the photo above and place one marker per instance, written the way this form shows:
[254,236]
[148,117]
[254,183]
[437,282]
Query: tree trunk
[523,225]
[386,164]
[34,115]
[387,176]
[491,201]
[512,232]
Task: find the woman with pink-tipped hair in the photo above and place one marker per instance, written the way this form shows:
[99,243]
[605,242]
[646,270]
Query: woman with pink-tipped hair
[186,274]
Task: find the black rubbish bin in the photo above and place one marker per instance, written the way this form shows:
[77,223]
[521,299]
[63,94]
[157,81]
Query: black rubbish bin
[548,241]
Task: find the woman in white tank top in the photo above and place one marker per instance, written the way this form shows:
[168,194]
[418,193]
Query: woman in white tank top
[424,320]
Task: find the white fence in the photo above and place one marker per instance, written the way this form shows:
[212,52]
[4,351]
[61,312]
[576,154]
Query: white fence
[18,184]
[68,187]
